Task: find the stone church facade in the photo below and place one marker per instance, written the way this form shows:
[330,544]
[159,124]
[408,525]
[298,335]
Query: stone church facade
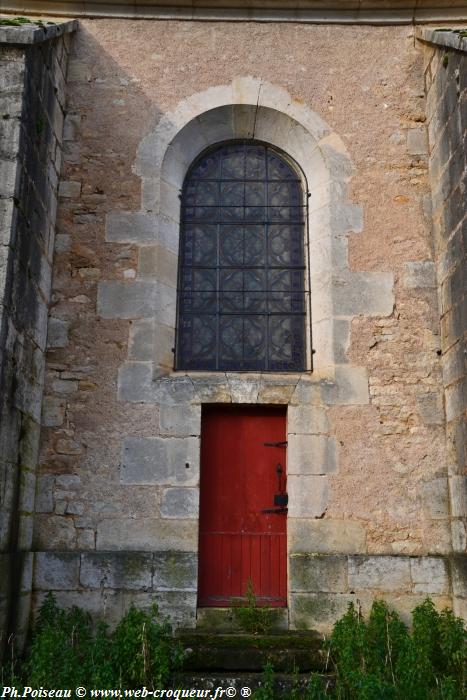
[101,433]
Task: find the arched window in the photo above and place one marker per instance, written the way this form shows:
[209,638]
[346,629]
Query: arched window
[241,301]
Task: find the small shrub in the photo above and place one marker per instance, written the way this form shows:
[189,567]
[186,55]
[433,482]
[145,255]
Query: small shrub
[68,650]
[380,660]
[266,691]
[251,617]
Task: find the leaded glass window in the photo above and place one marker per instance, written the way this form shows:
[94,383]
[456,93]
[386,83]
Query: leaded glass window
[241,301]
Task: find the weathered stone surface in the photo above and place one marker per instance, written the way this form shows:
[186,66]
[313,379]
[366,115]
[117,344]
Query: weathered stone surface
[419,274]
[311,454]
[180,420]
[367,293]
[458,496]
[69,189]
[137,299]
[318,611]
[180,503]
[459,575]
[142,340]
[158,263]
[382,573]
[148,534]
[417,141]
[430,575]
[314,573]
[53,411]
[435,498]
[308,496]
[136,382]
[130,227]
[168,461]
[44,497]
[349,387]
[57,334]
[175,571]
[56,571]
[116,570]
[326,536]
[54,533]
[431,408]
[307,420]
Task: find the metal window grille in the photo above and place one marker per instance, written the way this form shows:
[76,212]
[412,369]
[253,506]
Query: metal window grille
[241,295]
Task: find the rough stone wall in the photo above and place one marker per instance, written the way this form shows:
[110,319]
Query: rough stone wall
[118,423]
[32,97]
[446,86]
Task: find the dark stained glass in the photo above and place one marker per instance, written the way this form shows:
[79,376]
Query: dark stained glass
[241,298]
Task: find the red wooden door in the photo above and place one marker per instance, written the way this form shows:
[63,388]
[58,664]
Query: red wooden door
[239,479]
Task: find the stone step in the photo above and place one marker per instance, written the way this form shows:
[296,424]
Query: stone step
[245,684]
[224,619]
[208,651]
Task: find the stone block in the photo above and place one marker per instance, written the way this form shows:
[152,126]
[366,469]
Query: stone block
[272,392]
[164,346]
[151,341]
[64,386]
[431,408]
[244,388]
[174,390]
[69,189]
[54,532]
[318,611]
[350,387]
[56,571]
[383,573]
[363,293]
[430,575]
[417,141]
[180,420]
[136,382]
[311,454]
[158,263]
[44,494]
[71,127]
[419,274]
[116,570]
[57,333]
[180,503]
[147,534]
[340,340]
[459,536]
[10,172]
[85,539]
[307,420]
[163,461]
[311,573]
[326,536]
[435,499]
[130,227]
[53,411]
[178,607]
[459,575]
[142,340]
[175,571]
[127,299]
[138,299]
[308,496]
[458,494]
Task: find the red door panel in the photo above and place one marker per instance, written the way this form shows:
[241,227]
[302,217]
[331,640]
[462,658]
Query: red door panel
[238,542]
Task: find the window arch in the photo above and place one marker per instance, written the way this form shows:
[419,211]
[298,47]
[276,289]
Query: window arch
[241,282]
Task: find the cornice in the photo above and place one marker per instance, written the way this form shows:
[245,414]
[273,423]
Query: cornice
[312,11]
